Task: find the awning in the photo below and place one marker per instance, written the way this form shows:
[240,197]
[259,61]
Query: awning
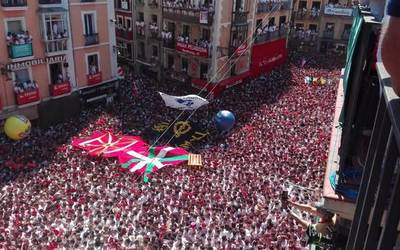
[52,10]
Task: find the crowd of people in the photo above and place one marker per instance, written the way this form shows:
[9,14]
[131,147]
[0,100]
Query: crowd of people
[187,4]
[17,38]
[21,87]
[68,200]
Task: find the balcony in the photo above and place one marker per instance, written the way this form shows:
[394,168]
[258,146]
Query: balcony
[16,51]
[56,46]
[93,79]
[153,4]
[91,39]
[13,5]
[189,15]
[270,36]
[327,34]
[58,89]
[26,92]
[154,33]
[50,1]
[87,1]
[307,15]
[192,49]
[344,11]
[173,75]
[169,43]
[272,6]
[124,33]
[240,18]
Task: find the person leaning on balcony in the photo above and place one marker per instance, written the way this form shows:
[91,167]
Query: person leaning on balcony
[390,46]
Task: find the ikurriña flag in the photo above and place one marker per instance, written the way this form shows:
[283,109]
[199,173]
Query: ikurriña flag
[147,160]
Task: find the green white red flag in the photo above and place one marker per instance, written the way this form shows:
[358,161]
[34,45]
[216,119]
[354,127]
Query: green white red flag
[148,160]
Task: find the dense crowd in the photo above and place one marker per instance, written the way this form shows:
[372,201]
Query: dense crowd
[186,4]
[68,200]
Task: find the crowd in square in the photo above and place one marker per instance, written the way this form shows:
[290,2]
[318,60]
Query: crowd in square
[56,197]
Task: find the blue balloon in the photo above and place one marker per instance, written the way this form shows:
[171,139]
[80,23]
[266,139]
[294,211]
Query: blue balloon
[224,120]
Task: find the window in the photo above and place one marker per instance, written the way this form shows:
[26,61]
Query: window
[141,17]
[154,18]
[206,34]
[316,5]
[154,51]
[141,52]
[299,26]
[302,5]
[128,24]
[93,64]
[312,27]
[239,5]
[203,71]
[259,24]
[56,73]
[15,26]
[170,62]
[185,64]
[282,20]
[124,4]
[90,23]
[120,21]
[186,30]
[22,75]
[55,27]
[271,21]
[330,27]
[129,50]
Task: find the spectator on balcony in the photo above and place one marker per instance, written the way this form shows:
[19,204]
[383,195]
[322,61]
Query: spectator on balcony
[93,69]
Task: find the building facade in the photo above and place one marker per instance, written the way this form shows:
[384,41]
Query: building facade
[324,25]
[124,31]
[209,42]
[54,50]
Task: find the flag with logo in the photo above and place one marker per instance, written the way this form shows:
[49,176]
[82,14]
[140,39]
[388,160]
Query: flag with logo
[187,102]
[147,160]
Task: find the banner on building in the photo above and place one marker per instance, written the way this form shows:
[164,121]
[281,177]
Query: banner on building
[192,49]
[203,17]
[266,56]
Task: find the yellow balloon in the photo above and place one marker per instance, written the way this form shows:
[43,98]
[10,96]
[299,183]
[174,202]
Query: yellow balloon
[17,127]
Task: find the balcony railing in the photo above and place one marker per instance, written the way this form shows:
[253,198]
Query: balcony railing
[189,15]
[58,89]
[91,39]
[307,15]
[28,96]
[192,49]
[57,45]
[13,3]
[169,43]
[20,50]
[328,34]
[93,79]
[269,36]
[153,4]
[50,1]
[124,34]
[240,17]
[272,6]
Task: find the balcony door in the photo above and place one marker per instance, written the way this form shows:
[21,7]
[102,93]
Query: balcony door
[56,73]
[15,26]
[93,64]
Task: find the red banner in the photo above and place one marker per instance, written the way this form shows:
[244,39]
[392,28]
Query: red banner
[94,79]
[266,56]
[241,49]
[192,49]
[60,88]
[28,97]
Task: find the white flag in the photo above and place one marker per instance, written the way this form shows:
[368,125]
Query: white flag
[187,102]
